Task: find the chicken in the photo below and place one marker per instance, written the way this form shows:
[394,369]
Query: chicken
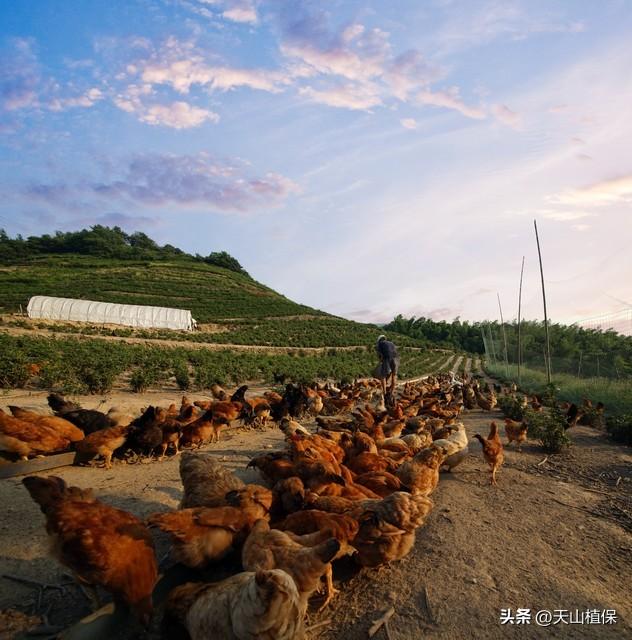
[515,432]
[289,496]
[205,480]
[455,445]
[59,425]
[421,474]
[267,548]
[248,606]
[274,466]
[492,450]
[102,545]
[88,420]
[371,462]
[201,535]
[205,429]
[27,438]
[382,483]
[290,427]
[104,442]
[387,527]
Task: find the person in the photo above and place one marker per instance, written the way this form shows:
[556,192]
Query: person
[389,363]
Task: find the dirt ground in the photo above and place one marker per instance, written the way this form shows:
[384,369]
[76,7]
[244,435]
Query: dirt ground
[554,534]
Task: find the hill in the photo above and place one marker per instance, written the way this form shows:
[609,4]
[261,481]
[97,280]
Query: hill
[110,265]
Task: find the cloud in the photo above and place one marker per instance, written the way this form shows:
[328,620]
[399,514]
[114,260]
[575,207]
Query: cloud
[477,23]
[178,115]
[19,76]
[356,68]
[449,99]
[182,65]
[348,96]
[244,11]
[88,99]
[408,123]
[607,192]
[504,114]
[166,179]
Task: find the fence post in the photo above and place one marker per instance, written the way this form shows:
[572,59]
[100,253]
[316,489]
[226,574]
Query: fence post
[519,309]
[547,354]
[502,322]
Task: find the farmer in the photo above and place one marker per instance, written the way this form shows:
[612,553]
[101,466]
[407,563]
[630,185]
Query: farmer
[389,363]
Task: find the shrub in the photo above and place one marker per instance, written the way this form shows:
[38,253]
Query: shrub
[620,428]
[13,371]
[549,428]
[181,374]
[511,407]
[141,379]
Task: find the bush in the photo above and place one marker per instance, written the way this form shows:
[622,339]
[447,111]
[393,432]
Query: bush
[549,428]
[13,372]
[141,379]
[511,407]
[620,428]
[181,374]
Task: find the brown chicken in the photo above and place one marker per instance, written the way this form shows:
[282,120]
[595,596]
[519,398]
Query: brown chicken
[387,527]
[492,450]
[306,558]
[206,428]
[59,425]
[256,606]
[205,480]
[515,432]
[202,535]
[100,544]
[104,442]
[421,474]
[27,438]
[382,483]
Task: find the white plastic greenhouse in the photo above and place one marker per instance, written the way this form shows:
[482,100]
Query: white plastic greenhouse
[132,315]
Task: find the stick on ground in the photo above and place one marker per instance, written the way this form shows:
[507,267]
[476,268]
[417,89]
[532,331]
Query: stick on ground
[381,621]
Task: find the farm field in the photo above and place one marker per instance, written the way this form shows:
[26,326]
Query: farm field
[522,544]
[615,394]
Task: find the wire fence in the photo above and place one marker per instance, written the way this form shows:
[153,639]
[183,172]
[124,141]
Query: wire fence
[580,364]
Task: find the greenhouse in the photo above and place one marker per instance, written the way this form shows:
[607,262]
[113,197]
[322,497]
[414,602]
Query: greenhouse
[131,315]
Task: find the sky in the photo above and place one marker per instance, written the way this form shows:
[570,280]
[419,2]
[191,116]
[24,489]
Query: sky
[365,158]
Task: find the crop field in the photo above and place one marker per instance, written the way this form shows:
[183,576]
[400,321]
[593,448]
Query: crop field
[210,292]
[77,365]
[313,332]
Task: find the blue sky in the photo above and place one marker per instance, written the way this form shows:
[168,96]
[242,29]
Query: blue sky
[366,158]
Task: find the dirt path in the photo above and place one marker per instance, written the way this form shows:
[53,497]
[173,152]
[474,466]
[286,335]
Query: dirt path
[456,364]
[468,366]
[545,538]
[484,549]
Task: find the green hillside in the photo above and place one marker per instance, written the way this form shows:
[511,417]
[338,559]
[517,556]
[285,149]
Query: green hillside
[112,266]
[211,293]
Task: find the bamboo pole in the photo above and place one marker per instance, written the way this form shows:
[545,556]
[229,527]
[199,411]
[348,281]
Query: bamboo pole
[502,324]
[519,329]
[546,318]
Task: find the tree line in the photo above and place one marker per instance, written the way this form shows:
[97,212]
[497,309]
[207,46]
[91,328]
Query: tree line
[574,349]
[103,242]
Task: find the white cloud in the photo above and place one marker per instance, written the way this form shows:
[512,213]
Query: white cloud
[449,99]
[177,115]
[504,114]
[607,192]
[409,123]
[349,96]
[182,65]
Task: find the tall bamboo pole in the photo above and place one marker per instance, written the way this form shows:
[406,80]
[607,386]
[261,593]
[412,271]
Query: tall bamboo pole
[502,323]
[546,318]
[519,309]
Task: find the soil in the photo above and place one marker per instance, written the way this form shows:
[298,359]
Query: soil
[554,534]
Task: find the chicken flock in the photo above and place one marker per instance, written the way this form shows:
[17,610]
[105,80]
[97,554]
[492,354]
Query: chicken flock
[359,485]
